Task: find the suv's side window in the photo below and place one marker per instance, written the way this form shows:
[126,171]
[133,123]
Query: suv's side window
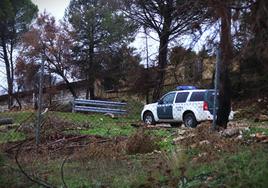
[168,99]
[197,96]
[181,97]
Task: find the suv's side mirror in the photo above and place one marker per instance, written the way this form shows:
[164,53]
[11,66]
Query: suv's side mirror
[160,101]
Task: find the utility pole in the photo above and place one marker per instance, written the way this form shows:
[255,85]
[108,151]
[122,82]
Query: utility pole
[216,85]
[40,103]
[147,62]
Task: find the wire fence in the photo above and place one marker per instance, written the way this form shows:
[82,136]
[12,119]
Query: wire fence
[55,105]
[81,133]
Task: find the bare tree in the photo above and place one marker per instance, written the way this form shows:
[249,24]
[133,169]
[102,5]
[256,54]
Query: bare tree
[15,16]
[169,19]
[53,42]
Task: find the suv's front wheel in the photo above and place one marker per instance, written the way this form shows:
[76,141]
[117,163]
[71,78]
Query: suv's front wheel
[190,120]
[148,118]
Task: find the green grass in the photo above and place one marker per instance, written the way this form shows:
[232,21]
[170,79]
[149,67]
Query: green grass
[254,130]
[165,138]
[94,172]
[11,136]
[18,117]
[109,131]
[99,124]
[10,176]
[1,168]
[254,123]
[247,168]
[94,119]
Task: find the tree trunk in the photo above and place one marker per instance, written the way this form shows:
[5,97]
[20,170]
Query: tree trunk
[147,97]
[92,92]
[212,84]
[8,74]
[162,62]
[163,51]
[87,92]
[69,86]
[18,101]
[226,57]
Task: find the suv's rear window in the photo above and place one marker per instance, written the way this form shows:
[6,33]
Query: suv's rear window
[181,97]
[197,96]
[210,96]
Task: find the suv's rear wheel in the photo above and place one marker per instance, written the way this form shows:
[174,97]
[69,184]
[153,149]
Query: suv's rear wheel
[190,120]
[148,118]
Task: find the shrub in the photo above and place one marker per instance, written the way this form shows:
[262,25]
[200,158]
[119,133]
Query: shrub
[140,142]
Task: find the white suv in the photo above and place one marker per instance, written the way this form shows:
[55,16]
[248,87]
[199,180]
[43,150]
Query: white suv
[189,106]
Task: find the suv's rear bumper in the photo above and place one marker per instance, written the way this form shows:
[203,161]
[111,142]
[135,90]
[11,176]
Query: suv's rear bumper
[206,115]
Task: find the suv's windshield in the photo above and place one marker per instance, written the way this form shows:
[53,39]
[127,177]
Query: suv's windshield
[167,99]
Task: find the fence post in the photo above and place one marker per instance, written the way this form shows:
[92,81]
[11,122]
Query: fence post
[216,85]
[73,105]
[40,103]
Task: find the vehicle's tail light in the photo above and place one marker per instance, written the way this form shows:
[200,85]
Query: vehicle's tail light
[205,106]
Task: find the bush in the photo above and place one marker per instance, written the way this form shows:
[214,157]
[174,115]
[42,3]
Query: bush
[140,142]
[62,107]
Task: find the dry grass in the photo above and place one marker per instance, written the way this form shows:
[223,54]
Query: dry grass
[209,144]
[141,143]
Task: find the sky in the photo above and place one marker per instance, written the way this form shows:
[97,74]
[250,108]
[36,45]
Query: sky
[54,7]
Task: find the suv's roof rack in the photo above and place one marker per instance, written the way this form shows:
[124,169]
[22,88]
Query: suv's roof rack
[186,87]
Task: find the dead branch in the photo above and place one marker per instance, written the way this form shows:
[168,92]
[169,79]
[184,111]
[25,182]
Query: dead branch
[73,139]
[6,121]
[15,146]
[31,178]
[62,172]
[22,123]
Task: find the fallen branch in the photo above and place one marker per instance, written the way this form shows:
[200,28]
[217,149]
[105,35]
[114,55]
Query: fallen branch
[33,179]
[62,172]
[13,147]
[6,121]
[22,123]
[102,141]
[77,138]
[77,146]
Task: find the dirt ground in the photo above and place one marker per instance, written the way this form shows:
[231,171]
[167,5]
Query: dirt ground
[62,157]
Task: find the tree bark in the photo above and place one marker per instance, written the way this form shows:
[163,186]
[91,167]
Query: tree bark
[162,62]
[90,91]
[69,86]
[226,58]
[8,74]
[163,51]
